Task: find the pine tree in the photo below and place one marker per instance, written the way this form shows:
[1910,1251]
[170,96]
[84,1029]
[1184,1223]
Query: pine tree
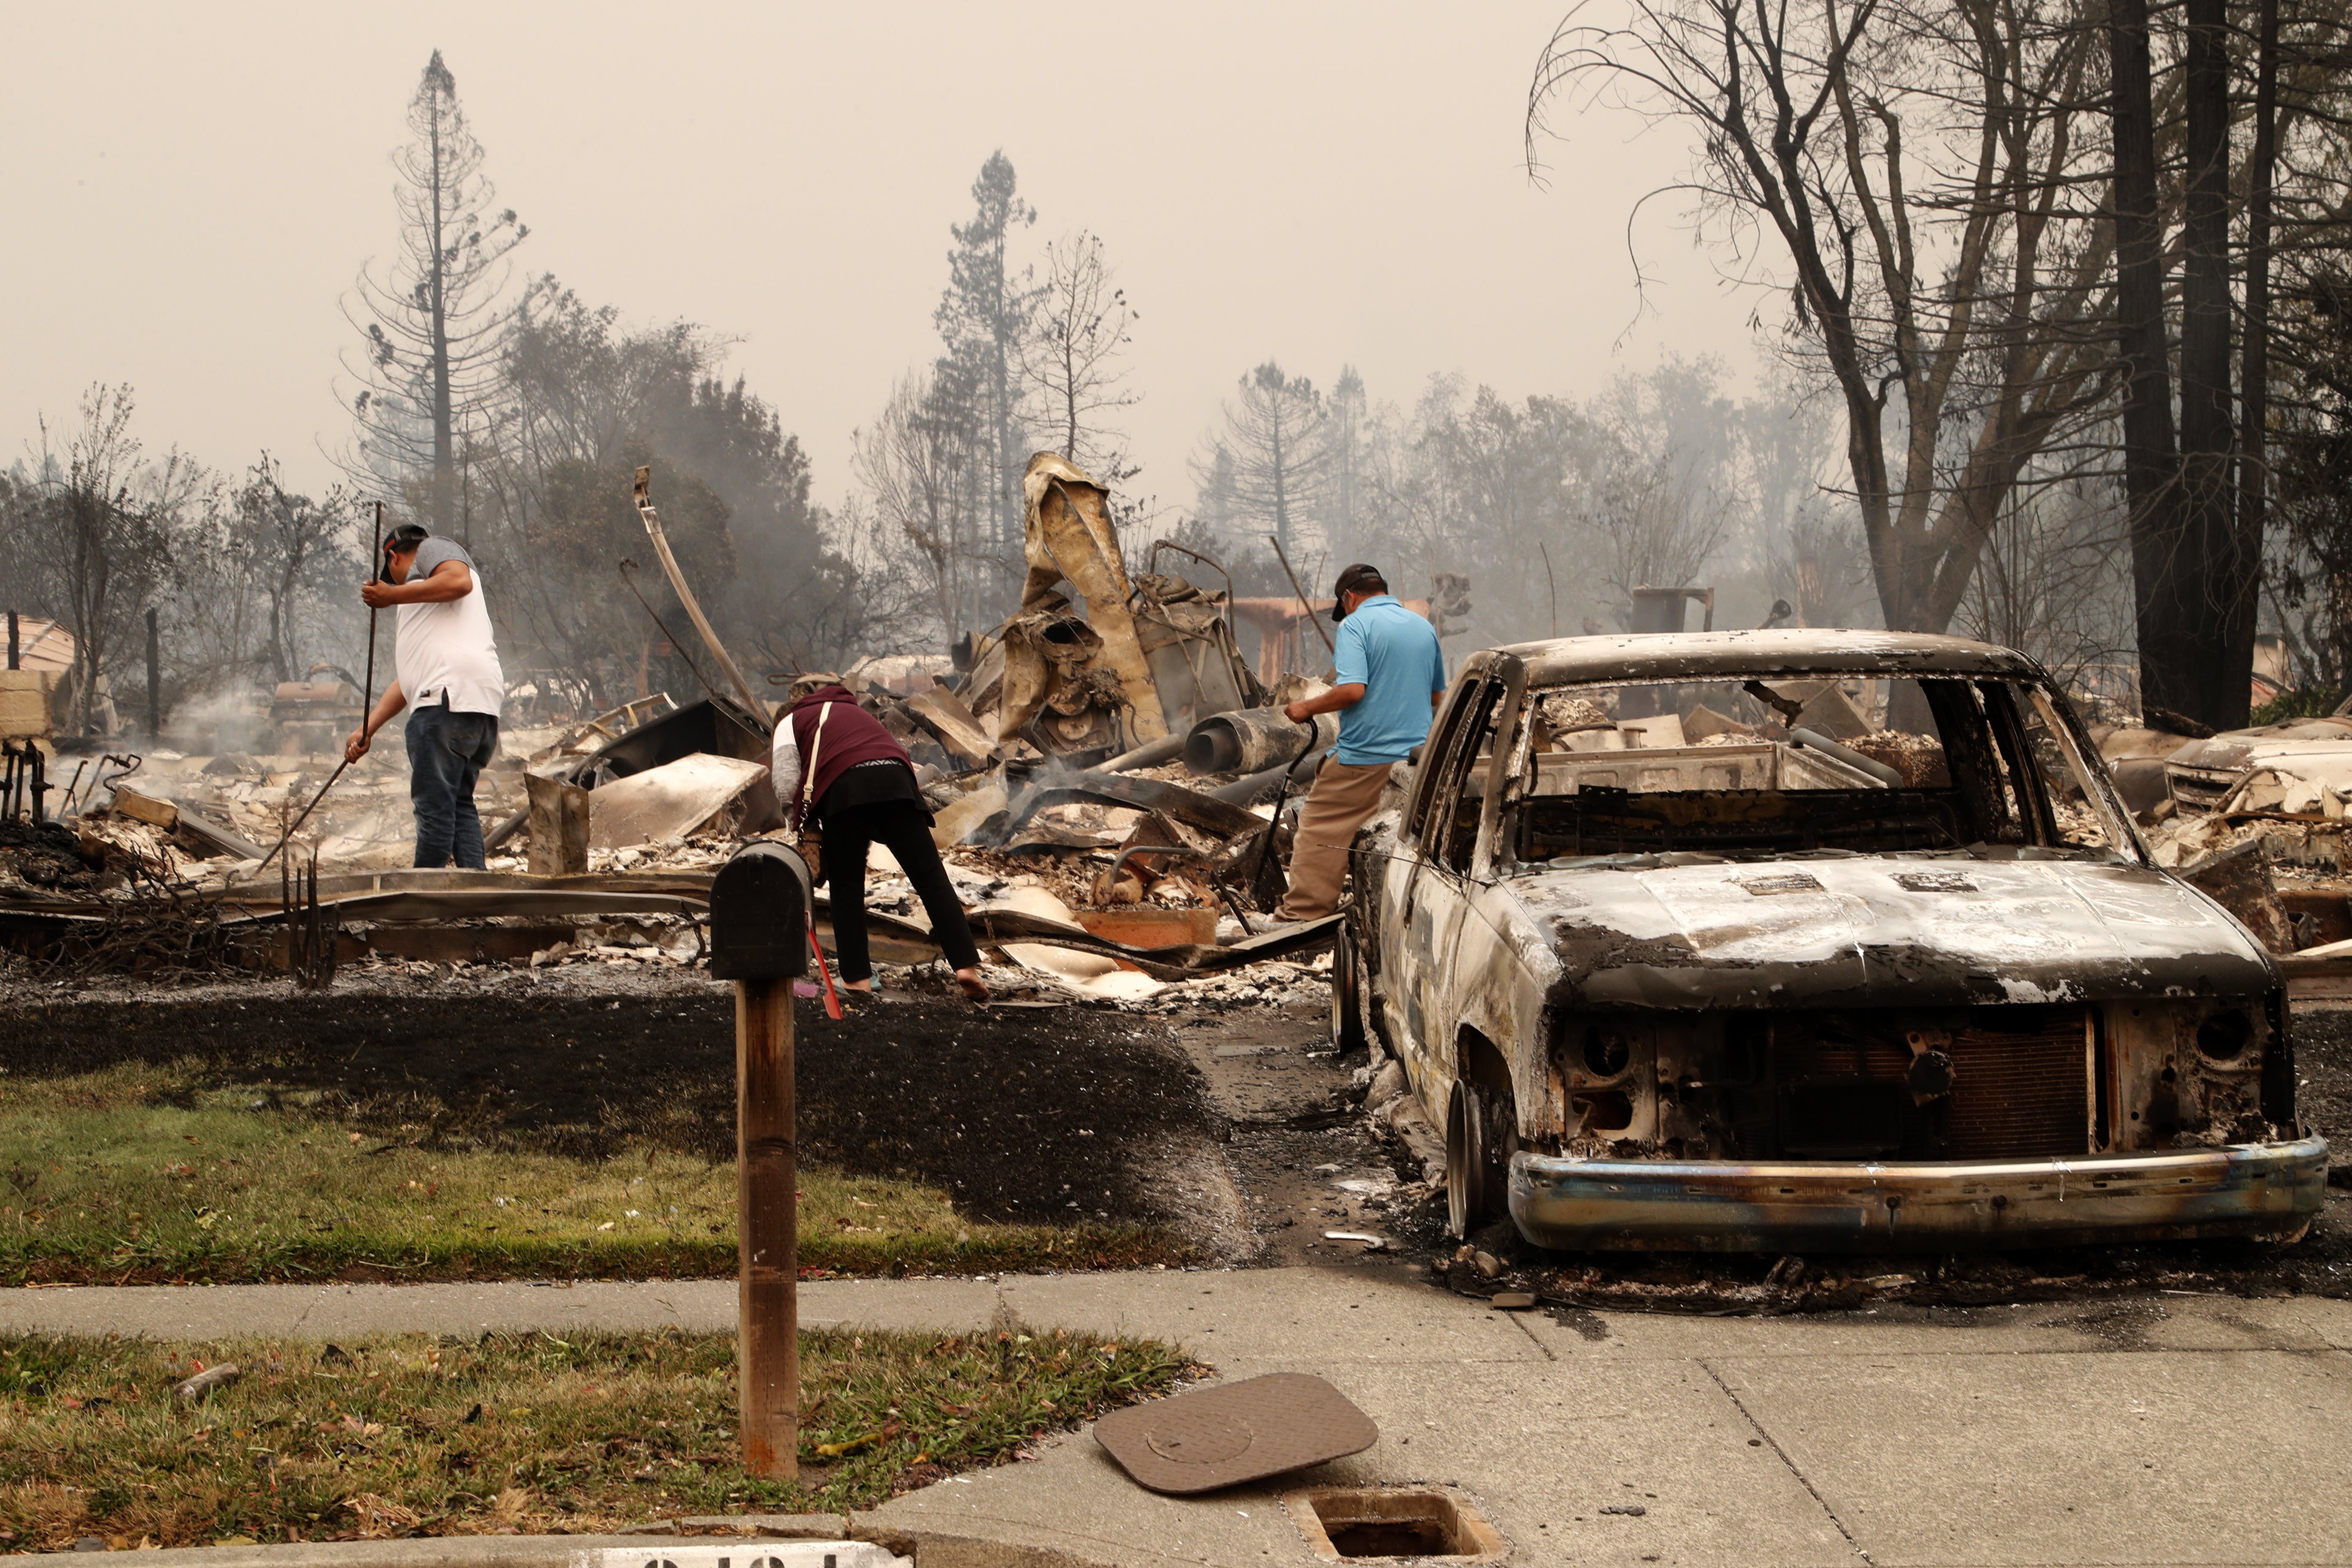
[983,318]
[1345,501]
[435,322]
[1276,439]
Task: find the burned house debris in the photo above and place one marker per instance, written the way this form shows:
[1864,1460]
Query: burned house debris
[1104,773]
[2256,818]
[1137,661]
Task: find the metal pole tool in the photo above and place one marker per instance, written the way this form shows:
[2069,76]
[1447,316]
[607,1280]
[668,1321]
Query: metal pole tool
[367,696]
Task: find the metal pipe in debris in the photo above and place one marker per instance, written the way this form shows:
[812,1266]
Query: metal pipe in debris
[643,494]
[1149,754]
[383,574]
[1251,739]
[668,636]
[154,680]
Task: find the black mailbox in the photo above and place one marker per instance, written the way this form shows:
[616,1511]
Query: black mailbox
[759,914]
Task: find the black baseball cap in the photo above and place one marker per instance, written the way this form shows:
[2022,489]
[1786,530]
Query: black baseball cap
[1357,579]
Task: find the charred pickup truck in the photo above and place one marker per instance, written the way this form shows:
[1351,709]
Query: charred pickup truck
[1810,940]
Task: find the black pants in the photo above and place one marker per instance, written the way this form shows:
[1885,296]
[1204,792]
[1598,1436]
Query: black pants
[904,828]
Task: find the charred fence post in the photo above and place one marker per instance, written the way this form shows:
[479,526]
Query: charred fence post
[311,940]
[760,905]
[558,826]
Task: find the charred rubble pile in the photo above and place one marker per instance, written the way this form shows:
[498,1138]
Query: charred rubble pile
[2256,817]
[1109,777]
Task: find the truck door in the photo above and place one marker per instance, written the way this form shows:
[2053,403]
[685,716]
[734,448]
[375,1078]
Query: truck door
[1443,821]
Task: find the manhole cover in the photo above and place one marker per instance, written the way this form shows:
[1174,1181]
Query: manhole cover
[1222,1436]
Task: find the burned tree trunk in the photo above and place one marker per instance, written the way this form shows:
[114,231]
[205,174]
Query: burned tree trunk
[2219,666]
[2165,577]
[2254,377]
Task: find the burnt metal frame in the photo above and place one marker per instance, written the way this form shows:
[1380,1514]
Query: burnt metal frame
[26,777]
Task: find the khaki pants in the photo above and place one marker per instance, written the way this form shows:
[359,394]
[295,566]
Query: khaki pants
[1342,799]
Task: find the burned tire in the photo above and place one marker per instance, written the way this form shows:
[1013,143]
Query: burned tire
[1477,1158]
[1347,992]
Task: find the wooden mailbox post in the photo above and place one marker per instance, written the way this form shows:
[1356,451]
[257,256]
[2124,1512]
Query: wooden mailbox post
[759,939]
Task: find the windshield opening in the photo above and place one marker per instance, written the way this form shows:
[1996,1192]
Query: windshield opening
[1868,764]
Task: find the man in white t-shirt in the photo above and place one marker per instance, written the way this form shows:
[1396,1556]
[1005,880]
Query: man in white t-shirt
[447,663]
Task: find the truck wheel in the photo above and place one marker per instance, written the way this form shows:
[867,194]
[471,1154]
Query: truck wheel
[1477,1176]
[1347,992]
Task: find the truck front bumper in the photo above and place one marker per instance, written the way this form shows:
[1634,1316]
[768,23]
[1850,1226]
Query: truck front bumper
[1721,1206]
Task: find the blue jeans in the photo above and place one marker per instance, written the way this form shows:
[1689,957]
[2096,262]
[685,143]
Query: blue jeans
[446,752]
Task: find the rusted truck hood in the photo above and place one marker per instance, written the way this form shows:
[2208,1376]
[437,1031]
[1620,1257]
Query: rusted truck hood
[1883,930]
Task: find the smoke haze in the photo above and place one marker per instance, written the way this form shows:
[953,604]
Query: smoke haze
[1324,184]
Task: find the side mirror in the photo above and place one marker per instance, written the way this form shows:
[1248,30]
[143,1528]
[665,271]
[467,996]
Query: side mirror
[760,904]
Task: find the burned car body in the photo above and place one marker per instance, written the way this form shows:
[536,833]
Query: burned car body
[1675,966]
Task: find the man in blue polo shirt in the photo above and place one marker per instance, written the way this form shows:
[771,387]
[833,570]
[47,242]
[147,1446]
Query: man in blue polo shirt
[1391,674]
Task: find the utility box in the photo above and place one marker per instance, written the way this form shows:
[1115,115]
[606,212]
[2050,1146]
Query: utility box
[760,904]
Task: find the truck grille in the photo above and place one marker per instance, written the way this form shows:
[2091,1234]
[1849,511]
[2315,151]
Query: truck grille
[2019,1089]
[2019,1093]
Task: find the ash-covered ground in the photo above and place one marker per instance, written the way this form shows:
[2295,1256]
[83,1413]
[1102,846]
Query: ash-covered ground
[1031,1114]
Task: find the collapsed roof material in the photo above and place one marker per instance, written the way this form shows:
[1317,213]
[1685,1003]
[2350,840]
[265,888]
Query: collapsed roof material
[669,801]
[1141,660]
[1068,536]
[716,726]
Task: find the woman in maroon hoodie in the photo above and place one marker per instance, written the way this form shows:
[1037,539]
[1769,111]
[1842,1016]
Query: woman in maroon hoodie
[860,784]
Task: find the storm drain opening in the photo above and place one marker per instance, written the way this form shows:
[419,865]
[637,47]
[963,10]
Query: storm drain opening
[1353,1523]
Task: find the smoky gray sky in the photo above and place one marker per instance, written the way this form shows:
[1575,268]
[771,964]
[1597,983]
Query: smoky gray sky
[191,190]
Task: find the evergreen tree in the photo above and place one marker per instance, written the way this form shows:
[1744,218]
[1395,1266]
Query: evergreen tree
[1276,442]
[1345,502]
[984,318]
[434,322]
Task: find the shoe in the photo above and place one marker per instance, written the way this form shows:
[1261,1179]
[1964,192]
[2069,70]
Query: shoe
[1272,925]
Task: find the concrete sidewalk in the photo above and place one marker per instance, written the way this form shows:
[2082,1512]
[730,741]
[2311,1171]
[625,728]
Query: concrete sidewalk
[2174,1429]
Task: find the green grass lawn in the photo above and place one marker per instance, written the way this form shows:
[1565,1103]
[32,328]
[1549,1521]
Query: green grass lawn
[136,1175]
[522,1432]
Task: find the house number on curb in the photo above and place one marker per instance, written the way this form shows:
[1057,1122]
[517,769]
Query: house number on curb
[745,1554]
